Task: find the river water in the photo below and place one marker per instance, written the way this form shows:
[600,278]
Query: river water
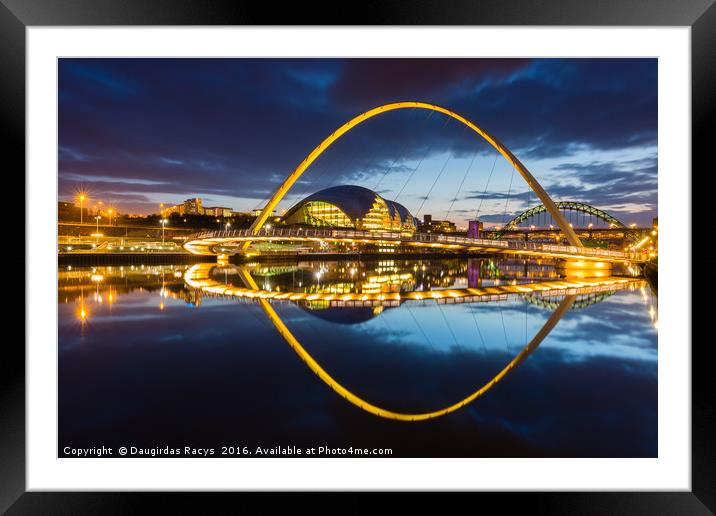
[158,357]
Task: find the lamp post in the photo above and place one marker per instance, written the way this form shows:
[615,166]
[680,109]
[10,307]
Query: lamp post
[164,221]
[110,216]
[228,225]
[82,198]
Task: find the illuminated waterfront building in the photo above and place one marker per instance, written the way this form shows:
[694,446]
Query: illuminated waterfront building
[257,211]
[350,206]
[195,206]
[474,229]
[218,211]
[437,226]
[188,207]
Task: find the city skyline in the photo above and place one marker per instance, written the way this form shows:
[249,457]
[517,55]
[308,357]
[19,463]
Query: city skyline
[139,132]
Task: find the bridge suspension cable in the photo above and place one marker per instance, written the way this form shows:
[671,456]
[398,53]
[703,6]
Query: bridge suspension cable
[410,176]
[420,327]
[479,332]
[487,185]
[459,189]
[399,157]
[507,200]
[389,414]
[425,198]
[327,142]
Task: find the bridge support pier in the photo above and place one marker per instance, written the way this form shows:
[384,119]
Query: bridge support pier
[584,268]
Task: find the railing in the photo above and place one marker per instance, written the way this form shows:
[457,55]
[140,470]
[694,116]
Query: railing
[428,238]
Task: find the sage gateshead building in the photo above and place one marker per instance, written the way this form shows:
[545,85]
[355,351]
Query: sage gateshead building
[350,206]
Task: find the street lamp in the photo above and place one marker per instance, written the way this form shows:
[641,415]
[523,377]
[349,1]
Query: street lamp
[110,216]
[228,225]
[163,221]
[82,198]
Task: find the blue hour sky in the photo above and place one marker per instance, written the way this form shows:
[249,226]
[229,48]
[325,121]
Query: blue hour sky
[138,132]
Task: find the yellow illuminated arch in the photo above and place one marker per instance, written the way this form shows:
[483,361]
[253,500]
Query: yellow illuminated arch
[506,153]
[204,269]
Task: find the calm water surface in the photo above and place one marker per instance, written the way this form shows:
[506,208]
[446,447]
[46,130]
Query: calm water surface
[146,360]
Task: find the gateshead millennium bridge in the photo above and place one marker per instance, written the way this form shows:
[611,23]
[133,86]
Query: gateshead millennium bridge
[223,243]
[229,242]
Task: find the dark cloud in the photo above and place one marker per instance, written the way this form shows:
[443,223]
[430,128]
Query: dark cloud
[237,127]
[611,185]
[379,81]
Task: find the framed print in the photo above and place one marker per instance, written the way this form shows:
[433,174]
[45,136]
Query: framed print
[416,253]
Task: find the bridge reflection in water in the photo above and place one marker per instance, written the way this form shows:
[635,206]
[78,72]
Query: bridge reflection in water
[200,277]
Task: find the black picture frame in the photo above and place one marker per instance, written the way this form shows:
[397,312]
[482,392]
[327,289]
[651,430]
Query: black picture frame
[700,15]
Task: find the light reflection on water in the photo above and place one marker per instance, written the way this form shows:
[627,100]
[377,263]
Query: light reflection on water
[144,357]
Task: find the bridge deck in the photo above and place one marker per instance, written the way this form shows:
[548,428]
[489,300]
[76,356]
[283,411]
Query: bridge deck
[206,243]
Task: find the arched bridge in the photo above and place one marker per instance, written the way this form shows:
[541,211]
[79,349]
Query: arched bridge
[572,206]
[213,242]
[565,206]
[230,242]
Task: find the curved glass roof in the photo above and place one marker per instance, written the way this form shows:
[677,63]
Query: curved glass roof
[354,201]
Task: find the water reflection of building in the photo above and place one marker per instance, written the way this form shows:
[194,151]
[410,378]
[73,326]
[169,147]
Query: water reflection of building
[104,286]
[353,315]
[392,276]
[369,277]
[473,273]
[651,301]
[353,308]
[192,297]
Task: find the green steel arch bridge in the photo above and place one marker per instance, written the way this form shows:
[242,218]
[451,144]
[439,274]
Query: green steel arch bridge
[566,206]
[570,206]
